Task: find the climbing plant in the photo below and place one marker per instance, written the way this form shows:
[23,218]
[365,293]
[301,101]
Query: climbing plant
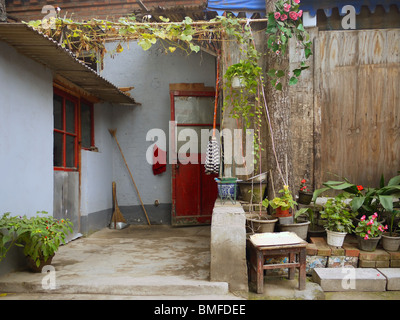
[188,35]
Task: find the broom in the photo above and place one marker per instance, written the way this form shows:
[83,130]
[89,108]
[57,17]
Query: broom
[212,156]
[118,220]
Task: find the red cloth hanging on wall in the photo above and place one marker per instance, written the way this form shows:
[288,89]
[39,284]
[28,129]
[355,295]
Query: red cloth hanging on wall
[159,160]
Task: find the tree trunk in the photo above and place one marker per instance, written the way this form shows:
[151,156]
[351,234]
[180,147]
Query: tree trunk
[279,155]
[3,13]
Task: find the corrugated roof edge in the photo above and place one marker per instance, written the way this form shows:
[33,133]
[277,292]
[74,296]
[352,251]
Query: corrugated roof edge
[122,99]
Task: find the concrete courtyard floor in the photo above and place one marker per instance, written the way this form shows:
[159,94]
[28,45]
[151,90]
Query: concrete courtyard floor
[149,263]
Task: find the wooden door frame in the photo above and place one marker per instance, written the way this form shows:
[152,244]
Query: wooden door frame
[193,219]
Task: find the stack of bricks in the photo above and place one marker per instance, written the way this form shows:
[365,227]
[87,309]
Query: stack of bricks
[321,255]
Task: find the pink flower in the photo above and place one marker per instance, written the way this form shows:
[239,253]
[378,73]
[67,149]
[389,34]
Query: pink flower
[300,13]
[363,218]
[286,7]
[296,1]
[386,227]
[293,15]
[277,15]
[283,17]
[380,228]
[366,237]
[370,222]
[369,231]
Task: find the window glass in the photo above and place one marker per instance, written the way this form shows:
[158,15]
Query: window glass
[58,149]
[58,112]
[70,116]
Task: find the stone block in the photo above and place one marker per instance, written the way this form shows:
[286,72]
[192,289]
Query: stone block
[342,262]
[394,255]
[315,262]
[392,276]
[349,279]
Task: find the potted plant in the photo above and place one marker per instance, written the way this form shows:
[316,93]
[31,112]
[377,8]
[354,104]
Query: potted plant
[40,236]
[298,227]
[305,195]
[282,204]
[338,220]
[369,232]
[391,239]
[366,200]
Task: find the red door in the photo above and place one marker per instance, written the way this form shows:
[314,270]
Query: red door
[193,192]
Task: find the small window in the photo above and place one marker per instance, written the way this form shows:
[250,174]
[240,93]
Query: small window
[73,122]
[65,131]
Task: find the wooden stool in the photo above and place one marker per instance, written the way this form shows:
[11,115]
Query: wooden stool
[258,254]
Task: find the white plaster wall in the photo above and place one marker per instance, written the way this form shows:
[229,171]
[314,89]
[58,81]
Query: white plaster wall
[26,134]
[150,72]
[96,171]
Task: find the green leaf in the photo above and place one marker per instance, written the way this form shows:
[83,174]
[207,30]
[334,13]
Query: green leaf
[194,48]
[297,72]
[356,203]
[279,86]
[386,202]
[293,80]
[300,27]
[307,52]
[394,181]
[280,73]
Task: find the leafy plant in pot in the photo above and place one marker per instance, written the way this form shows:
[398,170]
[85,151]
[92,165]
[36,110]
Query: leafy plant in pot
[282,204]
[298,227]
[391,239]
[305,194]
[369,232]
[40,236]
[339,220]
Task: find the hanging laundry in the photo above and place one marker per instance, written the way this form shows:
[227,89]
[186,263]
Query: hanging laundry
[159,160]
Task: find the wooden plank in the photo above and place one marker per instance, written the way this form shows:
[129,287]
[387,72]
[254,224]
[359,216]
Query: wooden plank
[358,77]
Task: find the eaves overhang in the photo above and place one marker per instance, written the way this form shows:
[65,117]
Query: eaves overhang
[61,61]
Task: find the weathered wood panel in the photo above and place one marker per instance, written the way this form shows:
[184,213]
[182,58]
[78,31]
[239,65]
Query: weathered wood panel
[358,82]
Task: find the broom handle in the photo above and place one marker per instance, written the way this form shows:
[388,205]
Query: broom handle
[119,147]
[216,97]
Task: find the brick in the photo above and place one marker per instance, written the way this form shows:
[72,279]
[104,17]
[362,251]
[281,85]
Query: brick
[311,249]
[382,264]
[318,240]
[395,263]
[394,255]
[337,251]
[350,250]
[377,255]
[366,264]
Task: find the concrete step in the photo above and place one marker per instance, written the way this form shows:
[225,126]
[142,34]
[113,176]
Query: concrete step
[349,279]
[26,282]
[392,276]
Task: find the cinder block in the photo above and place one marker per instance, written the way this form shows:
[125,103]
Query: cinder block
[349,279]
[315,262]
[342,262]
[392,276]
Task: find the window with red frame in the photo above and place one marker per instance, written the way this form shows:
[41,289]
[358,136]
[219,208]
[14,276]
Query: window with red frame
[73,120]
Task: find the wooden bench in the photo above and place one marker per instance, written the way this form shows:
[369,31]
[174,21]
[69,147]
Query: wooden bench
[259,253]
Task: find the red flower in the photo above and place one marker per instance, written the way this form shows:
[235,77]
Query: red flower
[286,7]
[293,15]
[283,17]
[360,187]
[277,15]
[303,181]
